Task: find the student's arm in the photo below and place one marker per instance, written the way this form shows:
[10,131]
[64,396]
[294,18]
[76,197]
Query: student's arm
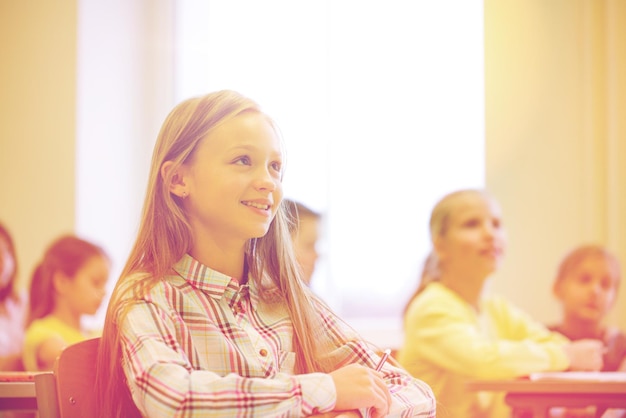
[12,362]
[42,345]
[338,414]
[48,351]
[445,333]
[409,396]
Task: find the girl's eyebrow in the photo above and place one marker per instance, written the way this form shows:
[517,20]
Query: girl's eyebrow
[251,147]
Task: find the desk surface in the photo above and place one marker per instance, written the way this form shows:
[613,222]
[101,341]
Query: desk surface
[556,383]
[538,394]
[17,391]
[529,386]
[17,385]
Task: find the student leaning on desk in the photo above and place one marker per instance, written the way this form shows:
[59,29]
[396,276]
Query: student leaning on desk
[455,333]
[586,286]
[210,316]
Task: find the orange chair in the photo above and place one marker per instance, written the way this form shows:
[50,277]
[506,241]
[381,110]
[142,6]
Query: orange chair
[69,391]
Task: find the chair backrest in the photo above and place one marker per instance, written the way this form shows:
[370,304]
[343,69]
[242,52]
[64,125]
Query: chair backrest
[72,381]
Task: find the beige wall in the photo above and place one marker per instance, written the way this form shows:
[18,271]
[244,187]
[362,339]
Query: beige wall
[37,123]
[555,74]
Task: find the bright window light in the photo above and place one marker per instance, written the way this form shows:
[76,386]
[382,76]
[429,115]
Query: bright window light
[381,104]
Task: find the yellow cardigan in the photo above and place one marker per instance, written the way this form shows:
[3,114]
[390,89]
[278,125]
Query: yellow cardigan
[447,343]
[42,329]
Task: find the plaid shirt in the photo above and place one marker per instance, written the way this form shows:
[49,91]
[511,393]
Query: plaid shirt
[200,345]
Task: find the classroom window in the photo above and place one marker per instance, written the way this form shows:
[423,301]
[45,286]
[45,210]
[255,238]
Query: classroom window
[381,104]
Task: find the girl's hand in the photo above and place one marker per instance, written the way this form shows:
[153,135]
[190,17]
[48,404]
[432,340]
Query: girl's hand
[338,414]
[358,386]
[585,355]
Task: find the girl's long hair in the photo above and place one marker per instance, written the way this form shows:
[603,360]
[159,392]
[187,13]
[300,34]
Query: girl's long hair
[165,235]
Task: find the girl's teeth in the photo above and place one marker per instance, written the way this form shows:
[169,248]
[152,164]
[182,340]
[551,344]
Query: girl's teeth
[256,205]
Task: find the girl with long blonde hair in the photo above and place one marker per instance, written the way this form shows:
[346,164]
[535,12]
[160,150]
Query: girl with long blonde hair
[210,316]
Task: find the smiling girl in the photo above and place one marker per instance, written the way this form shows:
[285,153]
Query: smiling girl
[210,316]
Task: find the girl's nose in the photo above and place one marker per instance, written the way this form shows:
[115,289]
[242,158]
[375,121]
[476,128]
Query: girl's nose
[265,180]
[596,287]
[489,230]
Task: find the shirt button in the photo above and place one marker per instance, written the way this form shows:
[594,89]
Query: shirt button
[315,411]
[263,352]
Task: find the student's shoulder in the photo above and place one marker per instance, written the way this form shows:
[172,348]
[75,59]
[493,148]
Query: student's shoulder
[42,329]
[437,299]
[500,306]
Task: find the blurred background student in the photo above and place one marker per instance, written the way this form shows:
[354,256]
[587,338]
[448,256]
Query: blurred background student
[68,283]
[13,305]
[305,232]
[455,332]
[586,286]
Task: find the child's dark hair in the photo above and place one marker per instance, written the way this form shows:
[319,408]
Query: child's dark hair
[67,255]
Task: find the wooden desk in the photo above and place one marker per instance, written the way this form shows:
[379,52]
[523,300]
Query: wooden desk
[554,390]
[17,391]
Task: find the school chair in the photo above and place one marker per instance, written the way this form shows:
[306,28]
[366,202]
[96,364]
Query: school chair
[68,391]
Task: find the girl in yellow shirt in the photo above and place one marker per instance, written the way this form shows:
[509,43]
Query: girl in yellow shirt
[68,283]
[454,333]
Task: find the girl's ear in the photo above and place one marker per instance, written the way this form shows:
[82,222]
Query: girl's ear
[556,288]
[60,282]
[439,249]
[176,184]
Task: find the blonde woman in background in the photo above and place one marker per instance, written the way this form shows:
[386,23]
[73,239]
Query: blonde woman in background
[455,333]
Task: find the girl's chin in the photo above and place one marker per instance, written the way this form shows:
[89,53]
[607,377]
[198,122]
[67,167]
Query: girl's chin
[591,315]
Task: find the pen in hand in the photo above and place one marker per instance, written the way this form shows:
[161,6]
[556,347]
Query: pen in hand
[383,359]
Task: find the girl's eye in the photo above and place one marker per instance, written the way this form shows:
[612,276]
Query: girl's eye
[606,283]
[245,160]
[276,166]
[471,223]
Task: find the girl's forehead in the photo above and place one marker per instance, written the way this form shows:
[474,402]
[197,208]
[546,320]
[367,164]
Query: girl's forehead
[598,262]
[475,204]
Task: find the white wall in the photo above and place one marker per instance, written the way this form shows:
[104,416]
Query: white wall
[124,91]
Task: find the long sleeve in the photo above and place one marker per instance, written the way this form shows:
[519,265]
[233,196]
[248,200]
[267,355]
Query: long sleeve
[502,342]
[448,343]
[411,397]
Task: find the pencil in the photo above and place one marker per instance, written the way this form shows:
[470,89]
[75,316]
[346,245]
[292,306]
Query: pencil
[383,359]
